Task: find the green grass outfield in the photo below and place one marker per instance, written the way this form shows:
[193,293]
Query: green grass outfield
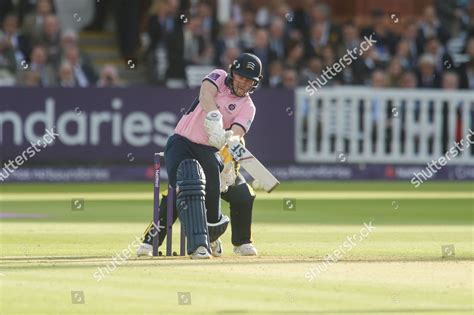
[48,251]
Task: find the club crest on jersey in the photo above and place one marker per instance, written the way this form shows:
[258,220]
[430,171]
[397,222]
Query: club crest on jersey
[251,65]
[231,107]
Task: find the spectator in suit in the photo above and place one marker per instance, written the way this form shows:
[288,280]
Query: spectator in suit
[365,65]
[294,55]
[161,21]
[331,32]
[248,30]
[262,49]
[275,73]
[316,41]
[127,18]
[84,73]
[194,42]
[25,7]
[160,24]
[228,39]
[350,39]
[68,39]
[33,22]
[12,39]
[313,69]
[430,26]
[301,20]
[443,60]
[197,49]
[386,40]
[38,64]
[51,38]
[427,75]
[290,78]
[271,10]
[410,36]
[209,24]
[165,30]
[404,54]
[66,75]
[329,59]
[174,42]
[277,38]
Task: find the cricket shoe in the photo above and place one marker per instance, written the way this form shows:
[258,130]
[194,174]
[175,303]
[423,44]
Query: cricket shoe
[217,248]
[201,253]
[145,250]
[246,250]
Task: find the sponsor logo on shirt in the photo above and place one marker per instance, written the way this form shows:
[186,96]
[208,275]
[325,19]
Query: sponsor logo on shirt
[214,76]
[231,107]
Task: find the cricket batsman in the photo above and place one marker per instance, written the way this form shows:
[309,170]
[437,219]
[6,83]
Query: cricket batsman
[223,109]
[239,195]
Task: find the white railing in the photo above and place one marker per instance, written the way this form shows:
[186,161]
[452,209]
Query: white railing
[364,125]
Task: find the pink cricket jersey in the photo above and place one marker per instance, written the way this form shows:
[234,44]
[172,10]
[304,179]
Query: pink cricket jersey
[235,111]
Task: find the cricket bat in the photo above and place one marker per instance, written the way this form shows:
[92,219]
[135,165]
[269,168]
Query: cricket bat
[253,166]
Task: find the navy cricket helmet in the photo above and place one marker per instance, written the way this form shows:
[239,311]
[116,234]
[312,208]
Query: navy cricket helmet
[248,66]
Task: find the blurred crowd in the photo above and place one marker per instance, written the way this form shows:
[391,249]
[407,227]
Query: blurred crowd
[295,44]
[35,51]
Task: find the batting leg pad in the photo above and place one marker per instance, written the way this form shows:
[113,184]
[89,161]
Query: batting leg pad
[190,203]
[217,229]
